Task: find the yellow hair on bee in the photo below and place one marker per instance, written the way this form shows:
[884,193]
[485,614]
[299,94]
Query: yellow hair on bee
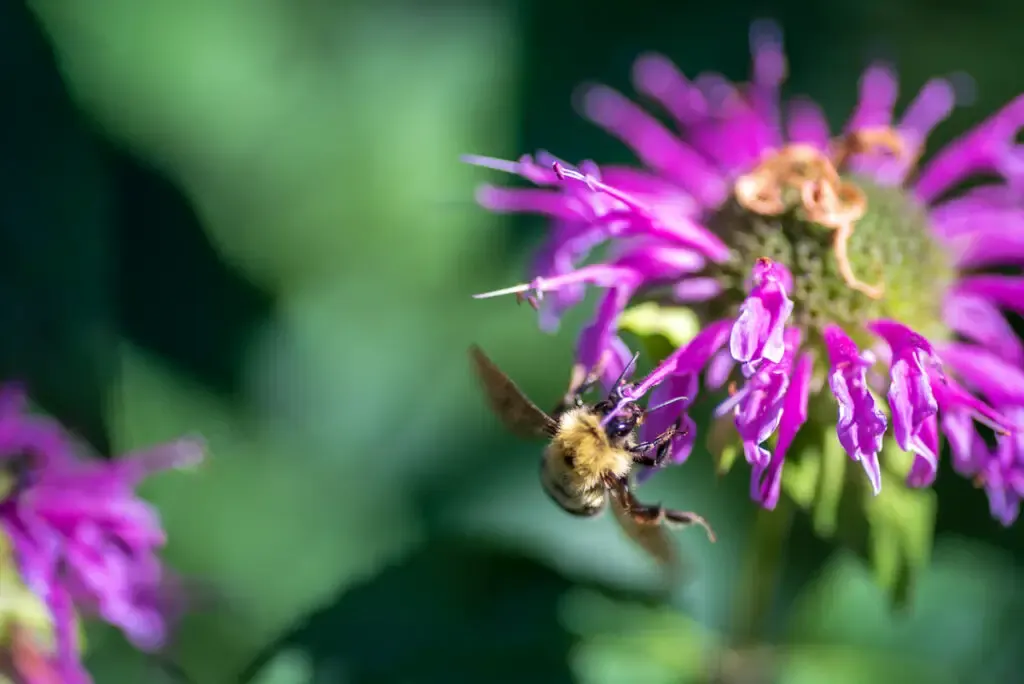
[581,437]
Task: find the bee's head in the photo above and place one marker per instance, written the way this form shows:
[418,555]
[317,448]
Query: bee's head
[625,420]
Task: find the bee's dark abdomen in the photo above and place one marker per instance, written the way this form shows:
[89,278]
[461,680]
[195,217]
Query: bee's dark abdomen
[585,505]
[573,506]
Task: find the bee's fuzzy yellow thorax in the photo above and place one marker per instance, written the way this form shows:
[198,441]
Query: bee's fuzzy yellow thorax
[580,434]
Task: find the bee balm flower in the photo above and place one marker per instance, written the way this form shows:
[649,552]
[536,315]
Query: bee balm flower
[840,284]
[81,542]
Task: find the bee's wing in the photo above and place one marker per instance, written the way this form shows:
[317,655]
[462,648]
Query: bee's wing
[519,414]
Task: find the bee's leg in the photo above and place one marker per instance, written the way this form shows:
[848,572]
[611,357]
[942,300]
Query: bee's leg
[580,383]
[662,446]
[656,514]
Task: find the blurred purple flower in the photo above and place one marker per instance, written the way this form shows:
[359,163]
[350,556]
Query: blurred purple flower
[730,212]
[81,540]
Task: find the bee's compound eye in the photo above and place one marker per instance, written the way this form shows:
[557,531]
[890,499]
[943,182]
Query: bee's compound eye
[619,428]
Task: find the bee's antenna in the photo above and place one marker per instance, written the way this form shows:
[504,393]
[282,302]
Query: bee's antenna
[626,369]
[618,393]
[666,403]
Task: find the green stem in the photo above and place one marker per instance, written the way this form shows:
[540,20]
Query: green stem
[759,577]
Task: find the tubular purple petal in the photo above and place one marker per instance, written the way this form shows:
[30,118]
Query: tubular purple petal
[1004,291]
[689,359]
[758,330]
[911,400]
[983,150]
[765,484]
[1000,382]
[861,424]
[807,124]
[981,322]
[758,405]
[879,88]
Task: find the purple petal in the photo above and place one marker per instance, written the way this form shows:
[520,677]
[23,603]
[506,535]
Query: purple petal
[766,482]
[878,90]
[758,405]
[653,144]
[758,331]
[794,413]
[616,356]
[689,359]
[925,447]
[807,124]
[769,71]
[981,322]
[596,339]
[965,444]
[933,104]
[719,369]
[1004,291]
[910,394]
[986,149]
[860,425]
[658,78]
[659,420]
[1000,382]
[995,238]
[696,289]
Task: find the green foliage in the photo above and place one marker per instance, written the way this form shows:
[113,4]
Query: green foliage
[658,325]
[892,531]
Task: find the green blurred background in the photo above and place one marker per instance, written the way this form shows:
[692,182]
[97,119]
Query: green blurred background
[247,218]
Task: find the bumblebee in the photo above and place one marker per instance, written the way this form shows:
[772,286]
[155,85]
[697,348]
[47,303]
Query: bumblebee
[587,462]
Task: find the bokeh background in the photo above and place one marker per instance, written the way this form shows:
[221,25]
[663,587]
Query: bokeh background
[247,219]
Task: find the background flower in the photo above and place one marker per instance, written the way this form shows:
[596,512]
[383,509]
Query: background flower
[80,539]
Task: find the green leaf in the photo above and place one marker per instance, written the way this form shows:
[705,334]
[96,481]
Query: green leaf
[663,329]
[801,475]
[677,324]
[849,665]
